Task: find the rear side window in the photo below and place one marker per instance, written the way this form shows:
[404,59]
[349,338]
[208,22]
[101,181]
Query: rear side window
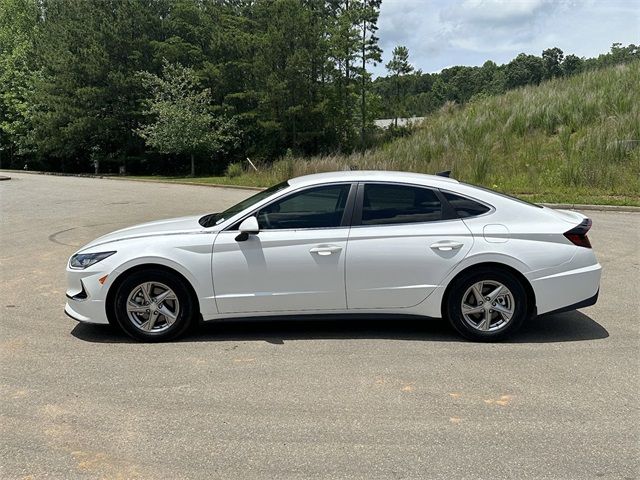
[465,207]
[320,207]
[388,204]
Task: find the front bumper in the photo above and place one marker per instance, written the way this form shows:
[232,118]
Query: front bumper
[86,296]
[70,312]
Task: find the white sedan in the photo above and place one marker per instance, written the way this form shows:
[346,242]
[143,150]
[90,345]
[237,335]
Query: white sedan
[342,243]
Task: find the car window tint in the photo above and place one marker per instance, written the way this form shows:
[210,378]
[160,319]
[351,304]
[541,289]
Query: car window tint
[320,207]
[388,204]
[465,207]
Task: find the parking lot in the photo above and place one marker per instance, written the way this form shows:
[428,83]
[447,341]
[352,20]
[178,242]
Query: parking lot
[382,398]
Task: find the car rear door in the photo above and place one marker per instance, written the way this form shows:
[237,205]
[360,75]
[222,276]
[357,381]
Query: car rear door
[403,242]
[297,260]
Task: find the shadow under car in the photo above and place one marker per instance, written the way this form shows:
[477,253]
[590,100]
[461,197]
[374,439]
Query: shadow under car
[561,327]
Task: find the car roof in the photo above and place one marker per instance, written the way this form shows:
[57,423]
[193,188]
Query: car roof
[371,176]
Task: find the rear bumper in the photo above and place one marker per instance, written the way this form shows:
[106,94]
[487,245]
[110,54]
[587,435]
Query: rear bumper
[567,290]
[584,303]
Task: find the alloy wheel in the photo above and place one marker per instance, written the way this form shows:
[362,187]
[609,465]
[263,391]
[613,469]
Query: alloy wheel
[488,306]
[152,307]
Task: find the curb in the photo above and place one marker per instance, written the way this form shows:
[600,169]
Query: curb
[197,184]
[128,179]
[602,208]
[567,206]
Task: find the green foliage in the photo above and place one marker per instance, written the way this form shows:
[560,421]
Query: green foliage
[398,68]
[426,93]
[291,74]
[571,65]
[566,139]
[524,70]
[266,76]
[234,170]
[18,19]
[552,59]
[399,64]
[182,121]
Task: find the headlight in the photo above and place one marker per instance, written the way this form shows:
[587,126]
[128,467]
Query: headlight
[84,260]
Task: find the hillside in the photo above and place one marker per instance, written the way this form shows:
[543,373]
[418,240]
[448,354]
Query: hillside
[568,140]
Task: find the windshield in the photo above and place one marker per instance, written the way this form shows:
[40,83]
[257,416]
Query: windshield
[217,218]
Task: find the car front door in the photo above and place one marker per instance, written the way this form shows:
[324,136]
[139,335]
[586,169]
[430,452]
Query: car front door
[295,263]
[403,242]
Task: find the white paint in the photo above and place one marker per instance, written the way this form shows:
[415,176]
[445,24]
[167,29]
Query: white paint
[391,268]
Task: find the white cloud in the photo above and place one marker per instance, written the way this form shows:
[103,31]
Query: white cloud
[494,13]
[440,33]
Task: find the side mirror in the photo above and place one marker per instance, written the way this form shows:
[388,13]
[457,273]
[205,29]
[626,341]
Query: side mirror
[248,226]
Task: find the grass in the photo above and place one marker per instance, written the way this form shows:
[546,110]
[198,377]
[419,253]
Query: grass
[574,140]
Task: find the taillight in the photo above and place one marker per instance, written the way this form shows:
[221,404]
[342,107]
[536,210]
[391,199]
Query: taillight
[578,235]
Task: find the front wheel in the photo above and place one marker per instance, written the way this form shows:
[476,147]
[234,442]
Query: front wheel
[153,306]
[487,305]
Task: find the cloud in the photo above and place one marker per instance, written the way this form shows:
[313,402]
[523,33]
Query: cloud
[485,25]
[469,32]
[495,13]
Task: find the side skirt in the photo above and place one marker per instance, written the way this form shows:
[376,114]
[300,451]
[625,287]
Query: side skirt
[321,316]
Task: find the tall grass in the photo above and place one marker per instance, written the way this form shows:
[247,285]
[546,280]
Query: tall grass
[578,133]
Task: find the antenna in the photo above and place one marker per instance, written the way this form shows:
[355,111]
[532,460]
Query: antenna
[446,173]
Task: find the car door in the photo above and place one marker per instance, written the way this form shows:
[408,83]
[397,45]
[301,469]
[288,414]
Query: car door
[404,240]
[295,263]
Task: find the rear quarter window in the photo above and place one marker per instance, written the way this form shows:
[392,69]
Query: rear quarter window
[464,206]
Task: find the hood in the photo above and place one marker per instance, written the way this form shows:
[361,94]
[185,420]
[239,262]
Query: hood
[171,226]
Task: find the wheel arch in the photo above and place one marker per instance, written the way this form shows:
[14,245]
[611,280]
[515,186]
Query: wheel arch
[113,288]
[531,296]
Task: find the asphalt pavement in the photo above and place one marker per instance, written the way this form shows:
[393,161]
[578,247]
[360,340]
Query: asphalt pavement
[356,399]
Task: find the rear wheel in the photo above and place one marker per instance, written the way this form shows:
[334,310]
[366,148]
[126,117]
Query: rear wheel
[487,305]
[153,305]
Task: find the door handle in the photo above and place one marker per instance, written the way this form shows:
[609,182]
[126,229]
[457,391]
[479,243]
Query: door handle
[447,245]
[325,249]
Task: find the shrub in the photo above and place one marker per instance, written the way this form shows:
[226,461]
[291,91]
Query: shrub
[234,170]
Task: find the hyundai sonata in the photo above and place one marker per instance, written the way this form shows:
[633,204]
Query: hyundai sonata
[342,243]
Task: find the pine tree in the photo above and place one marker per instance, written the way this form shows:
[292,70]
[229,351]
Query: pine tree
[370,52]
[399,66]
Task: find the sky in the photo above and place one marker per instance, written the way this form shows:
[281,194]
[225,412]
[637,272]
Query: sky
[444,33]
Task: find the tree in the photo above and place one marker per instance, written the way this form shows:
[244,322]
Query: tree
[343,42]
[85,99]
[370,52]
[182,122]
[18,20]
[399,66]
[524,70]
[552,61]
[619,54]
[291,74]
[291,54]
[572,64]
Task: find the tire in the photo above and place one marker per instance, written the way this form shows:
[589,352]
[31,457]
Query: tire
[142,318]
[482,320]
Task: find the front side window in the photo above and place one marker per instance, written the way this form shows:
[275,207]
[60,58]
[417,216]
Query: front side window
[320,207]
[388,204]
